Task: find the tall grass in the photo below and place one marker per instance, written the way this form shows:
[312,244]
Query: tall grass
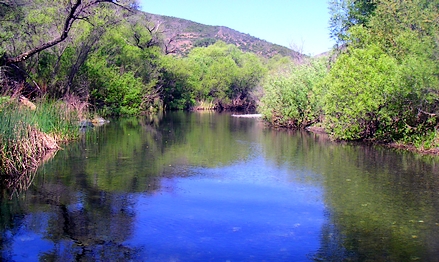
[59,118]
[26,135]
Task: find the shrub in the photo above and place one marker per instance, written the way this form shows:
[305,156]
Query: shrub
[373,94]
[291,98]
[358,87]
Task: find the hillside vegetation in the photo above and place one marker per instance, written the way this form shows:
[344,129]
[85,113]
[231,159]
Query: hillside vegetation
[182,35]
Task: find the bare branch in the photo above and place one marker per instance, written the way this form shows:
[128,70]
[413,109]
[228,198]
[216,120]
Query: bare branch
[170,49]
[426,113]
[114,2]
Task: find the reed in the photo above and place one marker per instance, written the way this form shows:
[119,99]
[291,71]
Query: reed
[27,134]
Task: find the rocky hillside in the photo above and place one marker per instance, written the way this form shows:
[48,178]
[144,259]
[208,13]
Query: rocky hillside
[181,35]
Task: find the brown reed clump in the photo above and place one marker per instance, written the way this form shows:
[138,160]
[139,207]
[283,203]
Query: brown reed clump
[27,134]
[75,104]
[24,153]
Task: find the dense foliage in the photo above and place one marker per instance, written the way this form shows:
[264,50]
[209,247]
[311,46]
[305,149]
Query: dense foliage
[346,14]
[292,95]
[383,84]
[114,58]
[107,54]
[219,74]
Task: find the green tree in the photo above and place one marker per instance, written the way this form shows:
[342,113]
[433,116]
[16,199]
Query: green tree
[122,75]
[177,93]
[223,74]
[346,14]
[102,46]
[247,79]
[358,84]
[292,97]
[385,86]
[40,15]
[36,36]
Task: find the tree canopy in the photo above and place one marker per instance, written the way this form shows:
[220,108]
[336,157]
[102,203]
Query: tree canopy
[346,14]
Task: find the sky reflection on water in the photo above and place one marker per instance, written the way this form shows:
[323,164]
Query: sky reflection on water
[220,218]
[251,210]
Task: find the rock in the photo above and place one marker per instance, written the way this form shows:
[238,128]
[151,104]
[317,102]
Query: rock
[26,103]
[98,121]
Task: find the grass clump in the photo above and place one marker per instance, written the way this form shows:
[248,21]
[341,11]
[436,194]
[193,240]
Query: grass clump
[27,134]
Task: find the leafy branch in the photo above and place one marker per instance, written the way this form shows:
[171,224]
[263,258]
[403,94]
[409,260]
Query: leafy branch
[78,10]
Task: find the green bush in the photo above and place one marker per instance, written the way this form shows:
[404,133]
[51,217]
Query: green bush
[220,74]
[292,98]
[113,92]
[359,86]
[384,94]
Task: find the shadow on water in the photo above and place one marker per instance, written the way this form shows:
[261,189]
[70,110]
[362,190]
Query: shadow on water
[209,187]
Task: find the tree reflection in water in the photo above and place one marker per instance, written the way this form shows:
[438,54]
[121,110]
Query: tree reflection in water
[372,203]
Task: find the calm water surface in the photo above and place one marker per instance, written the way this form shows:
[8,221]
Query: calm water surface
[210,187]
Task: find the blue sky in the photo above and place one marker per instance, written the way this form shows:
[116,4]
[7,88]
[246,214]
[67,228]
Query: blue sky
[290,23]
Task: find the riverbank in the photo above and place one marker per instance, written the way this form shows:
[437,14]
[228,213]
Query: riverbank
[412,148]
[391,145]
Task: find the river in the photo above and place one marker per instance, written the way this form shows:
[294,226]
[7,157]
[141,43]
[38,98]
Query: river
[211,187]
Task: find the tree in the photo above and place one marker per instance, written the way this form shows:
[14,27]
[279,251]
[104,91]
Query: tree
[358,85]
[292,95]
[177,93]
[77,10]
[38,41]
[385,86]
[346,14]
[122,76]
[225,75]
[219,74]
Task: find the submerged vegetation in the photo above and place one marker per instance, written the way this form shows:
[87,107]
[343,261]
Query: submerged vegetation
[379,84]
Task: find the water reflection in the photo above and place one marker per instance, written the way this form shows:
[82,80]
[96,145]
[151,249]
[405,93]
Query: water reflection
[209,187]
[220,220]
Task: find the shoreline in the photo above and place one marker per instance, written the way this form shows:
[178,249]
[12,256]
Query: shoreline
[390,145]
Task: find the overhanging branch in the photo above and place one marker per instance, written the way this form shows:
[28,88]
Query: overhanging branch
[76,12]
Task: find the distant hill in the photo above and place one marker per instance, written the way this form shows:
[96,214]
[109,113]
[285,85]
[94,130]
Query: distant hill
[182,35]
